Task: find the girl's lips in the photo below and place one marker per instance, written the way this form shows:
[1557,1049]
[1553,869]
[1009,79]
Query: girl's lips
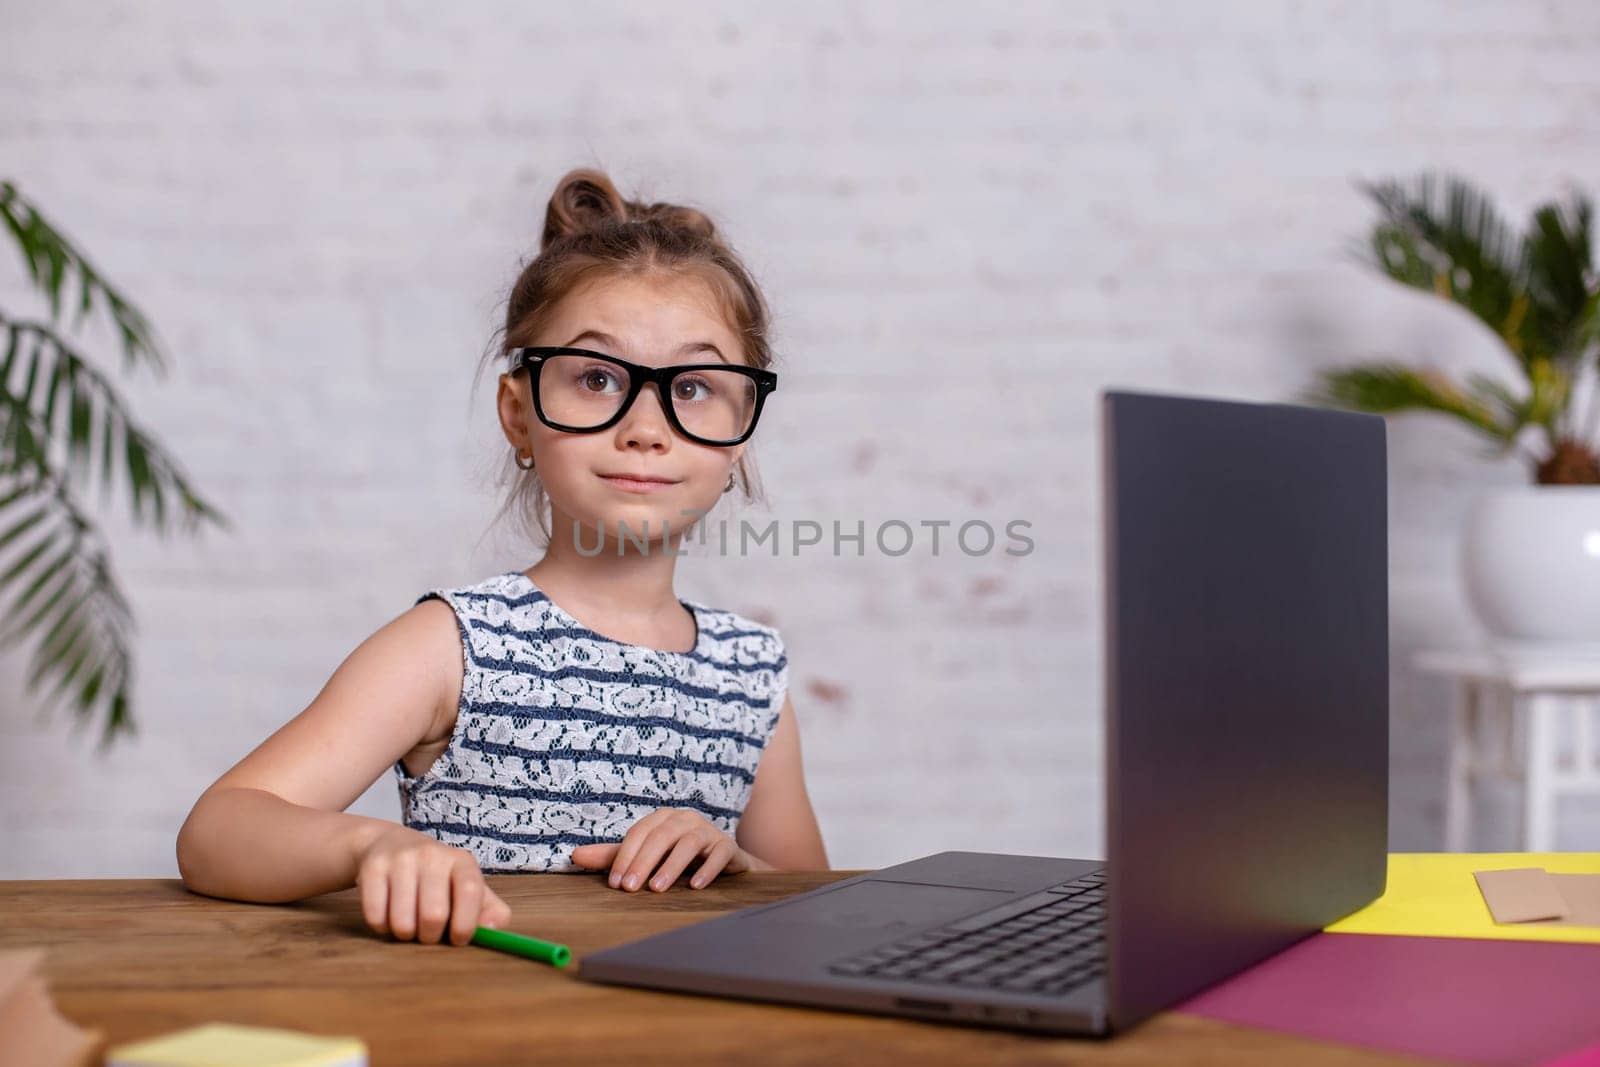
[635,485]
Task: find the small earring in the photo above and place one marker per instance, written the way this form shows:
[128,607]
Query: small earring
[519,463]
[729,487]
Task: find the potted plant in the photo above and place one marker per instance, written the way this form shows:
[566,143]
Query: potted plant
[1531,555]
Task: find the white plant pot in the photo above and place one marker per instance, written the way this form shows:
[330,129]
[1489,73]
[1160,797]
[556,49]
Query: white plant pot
[1531,559]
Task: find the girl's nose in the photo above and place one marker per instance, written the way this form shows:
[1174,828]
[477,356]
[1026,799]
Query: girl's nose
[645,424]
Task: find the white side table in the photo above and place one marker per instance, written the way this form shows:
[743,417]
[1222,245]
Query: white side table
[1543,705]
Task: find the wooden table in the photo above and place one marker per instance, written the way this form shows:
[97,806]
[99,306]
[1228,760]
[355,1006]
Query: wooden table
[138,958]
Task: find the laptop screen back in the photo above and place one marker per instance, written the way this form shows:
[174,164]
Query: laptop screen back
[1247,683]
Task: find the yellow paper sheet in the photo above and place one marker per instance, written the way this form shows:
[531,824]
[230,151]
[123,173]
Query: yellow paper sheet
[1433,894]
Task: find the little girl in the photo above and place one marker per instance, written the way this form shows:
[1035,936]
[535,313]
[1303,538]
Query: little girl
[576,715]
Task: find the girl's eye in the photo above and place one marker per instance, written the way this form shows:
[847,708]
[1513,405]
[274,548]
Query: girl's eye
[690,389]
[595,379]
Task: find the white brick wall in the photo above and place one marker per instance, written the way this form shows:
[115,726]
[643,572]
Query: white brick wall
[321,207]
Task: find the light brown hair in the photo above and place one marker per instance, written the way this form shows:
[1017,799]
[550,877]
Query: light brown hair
[590,232]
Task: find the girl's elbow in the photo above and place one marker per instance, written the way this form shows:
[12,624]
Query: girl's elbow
[197,867]
[191,868]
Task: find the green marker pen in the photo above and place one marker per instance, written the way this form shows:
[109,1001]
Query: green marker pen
[517,945]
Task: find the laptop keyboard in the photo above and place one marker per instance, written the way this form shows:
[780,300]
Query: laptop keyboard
[1046,942]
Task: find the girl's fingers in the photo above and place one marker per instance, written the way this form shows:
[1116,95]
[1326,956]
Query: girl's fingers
[739,860]
[629,848]
[594,857]
[721,853]
[688,847]
[433,903]
[496,912]
[651,849]
[375,898]
[403,897]
[466,900]
[430,894]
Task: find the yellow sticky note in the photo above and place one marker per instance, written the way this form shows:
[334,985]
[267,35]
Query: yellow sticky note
[229,1045]
[1433,894]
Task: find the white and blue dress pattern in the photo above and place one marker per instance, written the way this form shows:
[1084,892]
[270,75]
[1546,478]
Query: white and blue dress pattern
[564,737]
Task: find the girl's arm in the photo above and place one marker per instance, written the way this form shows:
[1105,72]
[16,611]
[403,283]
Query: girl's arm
[274,828]
[778,825]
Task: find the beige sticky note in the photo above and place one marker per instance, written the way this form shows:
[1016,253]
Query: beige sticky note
[1521,894]
[1582,894]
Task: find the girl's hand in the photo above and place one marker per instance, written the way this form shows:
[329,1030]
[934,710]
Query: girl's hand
[667,841]
[412,884]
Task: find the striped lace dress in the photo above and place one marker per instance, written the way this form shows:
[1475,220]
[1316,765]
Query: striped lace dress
[564,737]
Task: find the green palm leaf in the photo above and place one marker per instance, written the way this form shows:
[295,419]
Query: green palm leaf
[1385,388]
[65,399]
[52,262]
[1445,237]
[55,578]
[1560,273]
[63,426]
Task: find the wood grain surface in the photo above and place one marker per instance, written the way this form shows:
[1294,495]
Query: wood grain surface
[135,958]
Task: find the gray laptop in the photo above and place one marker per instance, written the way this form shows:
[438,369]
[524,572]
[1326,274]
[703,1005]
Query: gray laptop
[1247,751]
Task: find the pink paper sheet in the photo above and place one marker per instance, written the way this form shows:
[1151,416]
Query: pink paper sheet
[1478,1001]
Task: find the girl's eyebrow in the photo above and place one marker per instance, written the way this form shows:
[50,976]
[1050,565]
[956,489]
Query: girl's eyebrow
[607,339]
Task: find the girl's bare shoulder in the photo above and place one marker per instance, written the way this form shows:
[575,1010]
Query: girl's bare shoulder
[436,635]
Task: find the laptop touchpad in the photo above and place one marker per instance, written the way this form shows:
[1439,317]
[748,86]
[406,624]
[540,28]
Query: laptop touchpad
[877,904]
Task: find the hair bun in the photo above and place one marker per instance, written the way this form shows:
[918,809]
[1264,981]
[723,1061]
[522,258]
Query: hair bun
[677,217]
[586,199]
[583,200]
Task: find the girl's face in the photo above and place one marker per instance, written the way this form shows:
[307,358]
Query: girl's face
[656,321]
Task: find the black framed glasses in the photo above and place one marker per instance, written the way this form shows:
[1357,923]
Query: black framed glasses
[580,391]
